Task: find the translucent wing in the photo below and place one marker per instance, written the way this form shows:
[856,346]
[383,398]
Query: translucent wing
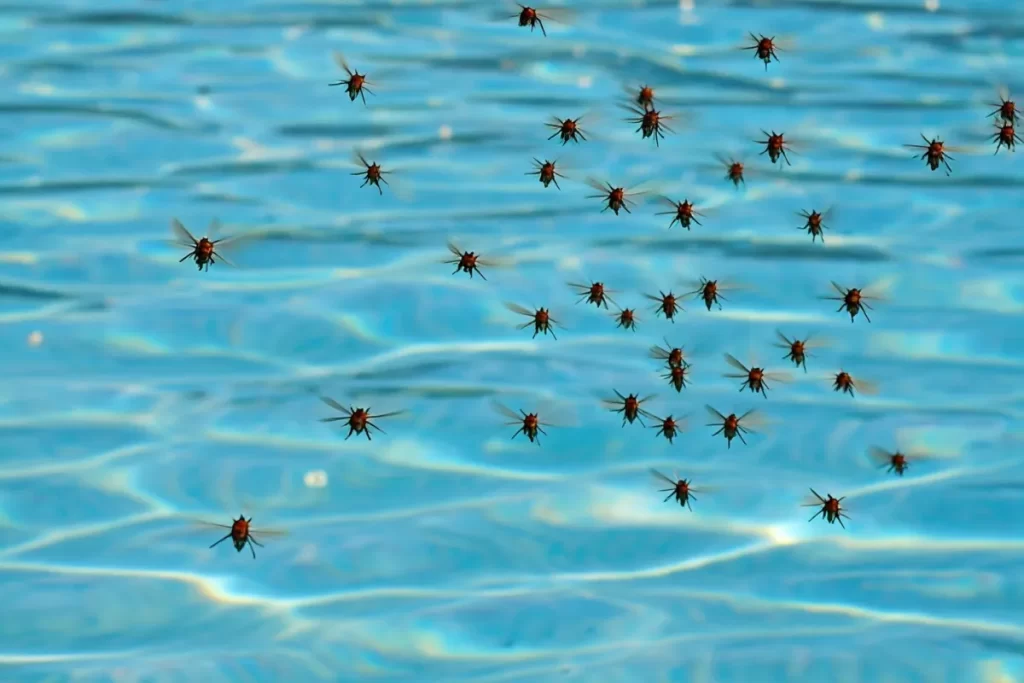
[182,233]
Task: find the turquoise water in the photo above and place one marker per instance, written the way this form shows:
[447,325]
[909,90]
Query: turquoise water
[142,397]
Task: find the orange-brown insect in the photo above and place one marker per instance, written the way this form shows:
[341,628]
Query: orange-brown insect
[626,319]
[356,83]
[528,16]
[844,382]
[540,319]
[204,250]
[676,376]
[668,426]
[934,154]
[615,198]
[764,49]
[753,378]
[854,301]
[567,129]
[682,212]
[529,423]
[673,356]
[710,292]
[1006,135]
[730,426]
[372,173]
[241,534]
[629,406]
[1006,110]
[831,509]
[896,462]
[733,170]
[797,349]
[667,306]
[650,122]
[466,261]
[545,171]
[815,224]
[642,96]
[359,420]
[594,293]
[681,490]
[775,146]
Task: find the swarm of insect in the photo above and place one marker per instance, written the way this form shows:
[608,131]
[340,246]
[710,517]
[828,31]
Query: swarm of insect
[774,146]
[934,154]
[710,291]
[844,382]
[466,261]
[764,49]
[815,223]
[629,406]
[681,489]
[626,319]
[853,300]
[1006,135]
[204,250]
[797,350]
[667,306]
[615,198]
[730,426]
[1006,110]
[650,123]
[733,170]
[356,83]
[831,509]
[241,534]
[372,173]
[567,129]
[540,319]
[545,172]
[358,420]
[754,378]
[669,427]
[529,424]
[594,293]
[682,212]
[895,462]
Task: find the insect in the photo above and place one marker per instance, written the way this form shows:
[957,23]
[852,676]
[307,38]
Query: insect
[797,349]
[775,146]
[567,129]
[540,319]
[934,154]
[854,301]
[682,212]
[896,462]
[629,406]
[668,426]
[730,426]
[356,84]
[204,251]
[764,49]
[844,382]
[667,306]
[710,291]
[529,423]
[753,378]
[359,420]
[466,261]
[676,376]
[733,170]
[626,319]
[241,534]
[616,198]
[815,225]
[528,16]
[642,96]
[1006,110]
[372,173]
[831,509]
[545,171]
[673,356]
[650,122]
[594,293]
[1005,135]
[680,489]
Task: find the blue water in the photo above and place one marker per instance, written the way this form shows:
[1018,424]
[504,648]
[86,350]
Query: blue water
[141,397]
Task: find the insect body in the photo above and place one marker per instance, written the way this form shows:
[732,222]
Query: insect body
[1005,135]
[356,83]
[1006,110]
[853,300]
[541,319]
[465,261]
[594,293]
[545,171]
[629,406]
[682,212]
[934,154]
[753,378]
[626,319]
[896,462]
[241,534]
[764,49]
[844,382]
[643,96]
[359,420]
[680,489]
[650,122]
[775,146]
[567,129]
[676,376]
[730,426]
[673,356]
[528,16]
[668,427]
[667,306]
[797,349]
[733,170]
[529,423]
[831,509]
[814,225]
[710,292]
[615,198]
[204,251]
[372,173]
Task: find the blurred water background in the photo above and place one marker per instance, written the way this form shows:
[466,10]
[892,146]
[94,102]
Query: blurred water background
[140,395]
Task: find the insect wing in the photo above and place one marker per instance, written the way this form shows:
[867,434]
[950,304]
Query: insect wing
[864,386]
[505,411]
[715,414]
[880,456]
[516,308]
[337,406]
[663,478]
[456,251]
[731,360]
[182,234]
